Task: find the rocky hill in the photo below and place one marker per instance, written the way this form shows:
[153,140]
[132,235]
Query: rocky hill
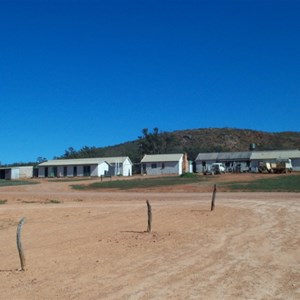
[194,141]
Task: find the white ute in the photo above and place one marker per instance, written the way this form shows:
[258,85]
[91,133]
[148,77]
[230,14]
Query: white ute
[216,168]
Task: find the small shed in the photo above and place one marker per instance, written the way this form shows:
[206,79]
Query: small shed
[160,164]
[119,166]
[16,172]
[83,167]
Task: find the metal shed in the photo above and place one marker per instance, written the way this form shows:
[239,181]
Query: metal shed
[273,155]
[233,161]
[247,160]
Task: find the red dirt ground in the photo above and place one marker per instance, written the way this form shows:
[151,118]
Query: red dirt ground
[93,244]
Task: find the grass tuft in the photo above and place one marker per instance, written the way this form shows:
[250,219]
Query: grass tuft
[53,201]
[189,175]
[139,183]
[4,182]
[282,183]
[70,179]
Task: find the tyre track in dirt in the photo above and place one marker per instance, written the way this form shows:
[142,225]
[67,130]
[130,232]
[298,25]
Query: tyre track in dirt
[96,248]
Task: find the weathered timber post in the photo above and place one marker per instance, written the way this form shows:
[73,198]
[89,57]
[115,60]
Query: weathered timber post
[213,198]
[149,216]
[19,244]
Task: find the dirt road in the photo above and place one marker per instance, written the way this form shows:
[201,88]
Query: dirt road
[93,245]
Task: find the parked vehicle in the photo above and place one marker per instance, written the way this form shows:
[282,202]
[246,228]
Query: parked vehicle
[280,166]
[216,168]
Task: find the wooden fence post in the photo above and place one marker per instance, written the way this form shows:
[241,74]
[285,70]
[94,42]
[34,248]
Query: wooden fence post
[19,243]
[149,216]
[213,198]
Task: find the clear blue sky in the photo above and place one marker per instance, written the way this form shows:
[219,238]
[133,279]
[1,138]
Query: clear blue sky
[94,73]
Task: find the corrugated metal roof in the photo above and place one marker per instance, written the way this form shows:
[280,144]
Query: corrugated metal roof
[16,167]
[69,162]
[234,155]
[84,161]
[207,156]
[276,154]
[248,155]
[113,160]
[161,157]
[224,156]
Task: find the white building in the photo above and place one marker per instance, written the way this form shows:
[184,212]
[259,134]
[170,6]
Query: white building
[160,164]
[119,166]
[94,167]
[113,166]
[16,172]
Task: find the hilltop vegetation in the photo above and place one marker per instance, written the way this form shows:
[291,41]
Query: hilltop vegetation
[192,141]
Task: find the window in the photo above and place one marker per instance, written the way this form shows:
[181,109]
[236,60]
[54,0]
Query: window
[162,165]
[153,166]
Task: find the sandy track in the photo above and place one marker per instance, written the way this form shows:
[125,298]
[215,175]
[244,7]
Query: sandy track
[93,246]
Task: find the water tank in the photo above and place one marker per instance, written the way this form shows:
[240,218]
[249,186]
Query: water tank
[252,147]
